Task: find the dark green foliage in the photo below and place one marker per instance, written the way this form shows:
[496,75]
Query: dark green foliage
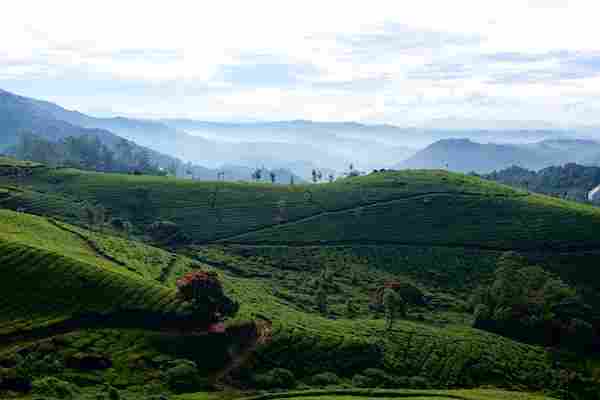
[86,152]
[183,376]
[361,381]
[528,303]
[280,378]
[54,387]
[113,394]
[351,309]
[15,379]
[121,224]
[570,181]
[321,298]
[166,232]
[379,378]
[325,379]
[394,306]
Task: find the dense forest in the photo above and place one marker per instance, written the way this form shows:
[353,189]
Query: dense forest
[570,181]
[87,152]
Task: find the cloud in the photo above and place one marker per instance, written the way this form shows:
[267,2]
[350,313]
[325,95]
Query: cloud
[392,39]
[266,71]
[375,61]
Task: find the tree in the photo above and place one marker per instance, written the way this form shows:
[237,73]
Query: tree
[393,305]
[314,175]
[527,303]
[272,176]
[319,175]
[331,178]
[321,298]
[203,290]
[257,174]
[351,310]
[291,179]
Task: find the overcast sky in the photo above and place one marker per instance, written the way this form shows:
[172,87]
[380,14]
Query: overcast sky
[399,62]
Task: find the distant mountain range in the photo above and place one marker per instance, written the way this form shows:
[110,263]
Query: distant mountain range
[299,146]
[51,122]
[24,115]
[465,155]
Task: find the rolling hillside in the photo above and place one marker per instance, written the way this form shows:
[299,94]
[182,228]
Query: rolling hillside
[418,209]
[442,232]
[82,290]
[440,208]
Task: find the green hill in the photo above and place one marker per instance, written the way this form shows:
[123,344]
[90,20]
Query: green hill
[440,232]
[53,277]
[407,209]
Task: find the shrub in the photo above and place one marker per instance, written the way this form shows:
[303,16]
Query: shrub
[379,378]
[11,379]
[183,377]
[121,224]
[325,379]
[276,378]
[54,387]
[361,381]
[203,289]
[418,382]
[167,232]
[113,394]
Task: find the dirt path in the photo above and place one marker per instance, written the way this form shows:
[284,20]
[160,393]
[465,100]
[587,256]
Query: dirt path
[92,246]
[232,238]
[262,335]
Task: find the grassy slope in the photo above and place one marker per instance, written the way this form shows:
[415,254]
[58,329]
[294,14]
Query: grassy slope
[357,394]
[41,286]
[407,207]
[48,275]
[209,210]
[304,342]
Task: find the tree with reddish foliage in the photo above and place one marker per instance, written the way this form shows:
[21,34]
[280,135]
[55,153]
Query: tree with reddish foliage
[204,291]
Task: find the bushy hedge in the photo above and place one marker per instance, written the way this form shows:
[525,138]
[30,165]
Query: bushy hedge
[279,378]
[54,387]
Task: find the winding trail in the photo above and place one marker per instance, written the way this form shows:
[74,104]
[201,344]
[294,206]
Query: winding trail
[263,334]
[92,245]
[232,238]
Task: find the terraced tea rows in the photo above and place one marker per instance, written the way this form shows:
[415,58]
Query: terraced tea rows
[468,221]
[41,288]
[211,210]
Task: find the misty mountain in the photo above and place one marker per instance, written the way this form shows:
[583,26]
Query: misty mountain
[465,155]
[51,122]
[325,145]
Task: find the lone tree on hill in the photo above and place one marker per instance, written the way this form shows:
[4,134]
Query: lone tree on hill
[205,293]
[273,176]
[314,176]
[393,305]
[321,298]
[257,174]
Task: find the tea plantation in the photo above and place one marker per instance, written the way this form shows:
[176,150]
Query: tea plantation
[98,308]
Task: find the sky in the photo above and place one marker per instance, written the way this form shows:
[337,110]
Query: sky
[418,63]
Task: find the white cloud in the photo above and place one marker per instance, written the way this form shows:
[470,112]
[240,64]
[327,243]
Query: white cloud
[373,61]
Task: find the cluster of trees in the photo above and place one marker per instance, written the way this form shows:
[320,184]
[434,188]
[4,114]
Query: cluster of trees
[317,176]
[527,303]
[203,290]
[258,173]
[87,152]
[392,298]
[570,181]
